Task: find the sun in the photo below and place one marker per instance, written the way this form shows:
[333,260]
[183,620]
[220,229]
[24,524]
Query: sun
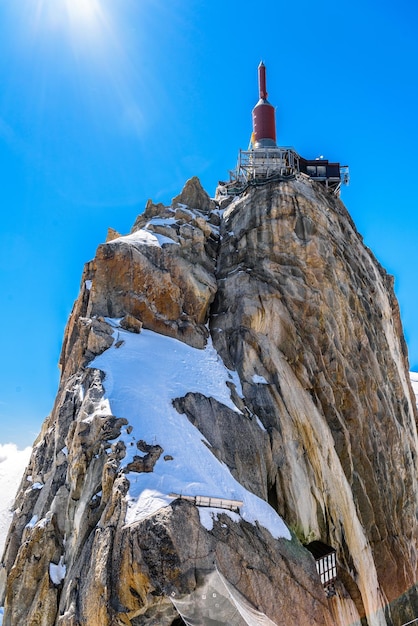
[85,12]
[72,15]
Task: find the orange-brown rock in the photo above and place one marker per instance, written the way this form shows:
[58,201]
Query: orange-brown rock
[163,274]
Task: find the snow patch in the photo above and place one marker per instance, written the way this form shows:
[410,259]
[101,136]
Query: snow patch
[80,392]
[226,213]
[208,515]
[142,378]
[147,238]
[43,522]
[260,380]
[145,502]
[32,521]
[260,423]
[57,572]
[88,284]
[161,221]
[103,410]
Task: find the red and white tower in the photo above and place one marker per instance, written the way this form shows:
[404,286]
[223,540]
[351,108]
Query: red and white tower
[264,116]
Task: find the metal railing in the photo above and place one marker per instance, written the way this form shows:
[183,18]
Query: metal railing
[263,162]
[210,501]
[411,622]
[261,165]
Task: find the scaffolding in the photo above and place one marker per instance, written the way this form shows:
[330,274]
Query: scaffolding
[263,163]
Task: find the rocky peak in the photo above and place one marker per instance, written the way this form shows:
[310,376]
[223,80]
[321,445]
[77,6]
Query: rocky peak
[194,196]
[248,349]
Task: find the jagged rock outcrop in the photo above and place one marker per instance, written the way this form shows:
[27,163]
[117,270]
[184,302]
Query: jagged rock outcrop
[309,408]
[169,288]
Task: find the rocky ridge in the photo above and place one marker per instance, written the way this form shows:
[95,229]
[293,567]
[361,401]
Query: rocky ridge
[318,420]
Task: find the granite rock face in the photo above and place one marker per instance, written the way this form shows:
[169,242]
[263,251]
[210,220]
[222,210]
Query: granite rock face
[318,319]
[321,424]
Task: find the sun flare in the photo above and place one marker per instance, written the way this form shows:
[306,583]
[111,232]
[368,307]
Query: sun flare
[83,11]
[73,15]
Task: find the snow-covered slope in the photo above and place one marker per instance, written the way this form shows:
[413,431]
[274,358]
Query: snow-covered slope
[143,377]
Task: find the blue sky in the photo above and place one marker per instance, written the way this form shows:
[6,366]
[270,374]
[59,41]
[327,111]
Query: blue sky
[106,103]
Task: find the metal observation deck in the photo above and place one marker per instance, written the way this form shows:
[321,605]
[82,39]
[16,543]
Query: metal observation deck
[262,165]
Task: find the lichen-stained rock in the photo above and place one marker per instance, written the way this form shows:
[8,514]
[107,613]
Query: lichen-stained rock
[315,417]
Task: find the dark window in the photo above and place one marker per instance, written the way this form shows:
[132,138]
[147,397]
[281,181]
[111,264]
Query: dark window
[325,560]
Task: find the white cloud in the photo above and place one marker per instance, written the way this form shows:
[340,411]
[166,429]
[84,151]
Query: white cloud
[12,466]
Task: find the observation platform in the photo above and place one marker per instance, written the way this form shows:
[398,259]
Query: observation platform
[261,165]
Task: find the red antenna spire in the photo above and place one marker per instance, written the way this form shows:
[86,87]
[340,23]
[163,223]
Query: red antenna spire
[262,89]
